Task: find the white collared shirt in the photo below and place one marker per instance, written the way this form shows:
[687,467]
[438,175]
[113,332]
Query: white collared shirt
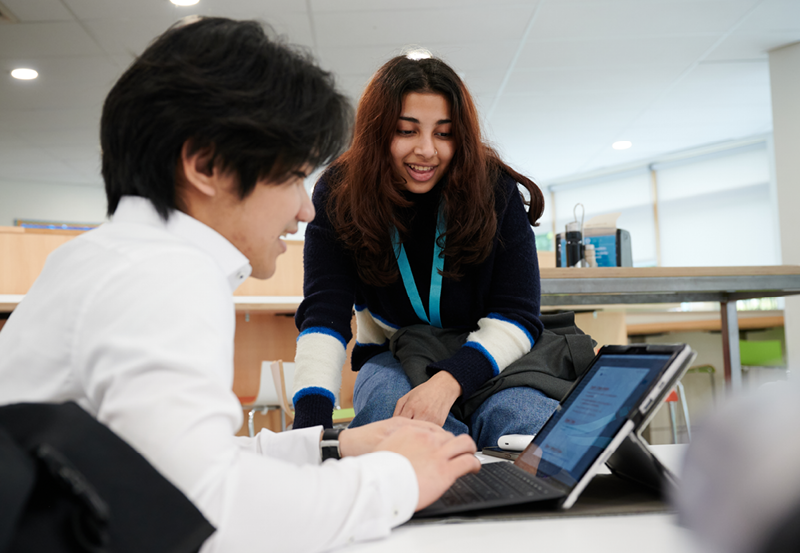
[135,322]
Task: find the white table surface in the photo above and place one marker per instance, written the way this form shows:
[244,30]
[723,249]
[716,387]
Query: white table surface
[654,533]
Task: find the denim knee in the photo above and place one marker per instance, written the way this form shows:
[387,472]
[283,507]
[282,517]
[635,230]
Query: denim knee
[519,410]
[379,384]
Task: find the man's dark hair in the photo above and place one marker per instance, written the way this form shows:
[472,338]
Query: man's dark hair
[263,106]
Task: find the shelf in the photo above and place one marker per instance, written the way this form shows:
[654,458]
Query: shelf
[267,304]
[252,304]
[664,322]
[8,302]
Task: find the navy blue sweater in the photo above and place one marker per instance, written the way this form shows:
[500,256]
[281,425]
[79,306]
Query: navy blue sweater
[498,299]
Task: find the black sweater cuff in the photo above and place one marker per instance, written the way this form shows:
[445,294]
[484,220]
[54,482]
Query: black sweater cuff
[468,366]
[313,410]
[364,352]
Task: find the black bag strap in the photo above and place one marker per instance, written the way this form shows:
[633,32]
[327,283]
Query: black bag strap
[581,348]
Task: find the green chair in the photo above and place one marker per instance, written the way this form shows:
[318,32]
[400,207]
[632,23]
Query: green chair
[761,353]
[758,354]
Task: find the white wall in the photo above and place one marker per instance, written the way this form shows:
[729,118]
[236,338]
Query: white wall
[70,203]
[66,203]
[715,208]
[784,69]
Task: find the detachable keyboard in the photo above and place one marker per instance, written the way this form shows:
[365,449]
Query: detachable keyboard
[494,481]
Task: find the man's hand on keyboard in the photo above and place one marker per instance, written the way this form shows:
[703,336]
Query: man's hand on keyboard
[438,457]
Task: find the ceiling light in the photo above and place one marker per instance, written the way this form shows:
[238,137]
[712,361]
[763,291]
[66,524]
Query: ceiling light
[184,2]
[622,144]
[418,54]
[24,74]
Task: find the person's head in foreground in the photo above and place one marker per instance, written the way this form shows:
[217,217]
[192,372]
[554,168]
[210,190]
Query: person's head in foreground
[740,486]
[417,127]
[220,121]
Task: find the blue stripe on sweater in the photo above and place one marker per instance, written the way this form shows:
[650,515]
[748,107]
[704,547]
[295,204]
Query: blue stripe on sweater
[313,390]
[499,317]
[372,344]
[377,317]
[384,321]
[323,330]
[485,352]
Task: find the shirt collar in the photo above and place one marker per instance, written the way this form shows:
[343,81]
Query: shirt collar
[235,266]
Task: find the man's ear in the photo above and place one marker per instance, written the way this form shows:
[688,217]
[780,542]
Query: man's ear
[198,170]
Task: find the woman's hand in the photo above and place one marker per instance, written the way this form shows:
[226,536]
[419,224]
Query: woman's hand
[430,401]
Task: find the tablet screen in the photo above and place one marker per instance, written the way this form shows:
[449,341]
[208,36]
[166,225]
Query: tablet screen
[591,416]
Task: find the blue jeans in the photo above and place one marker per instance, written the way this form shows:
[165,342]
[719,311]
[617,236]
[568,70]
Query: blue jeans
[382,381]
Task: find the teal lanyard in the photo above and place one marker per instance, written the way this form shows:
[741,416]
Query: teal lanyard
[436,278]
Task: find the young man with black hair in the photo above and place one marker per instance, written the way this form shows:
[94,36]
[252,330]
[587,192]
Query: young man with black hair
[206,141]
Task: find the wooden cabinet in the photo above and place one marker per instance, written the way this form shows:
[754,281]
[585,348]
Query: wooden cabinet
[265,327]
[23,253]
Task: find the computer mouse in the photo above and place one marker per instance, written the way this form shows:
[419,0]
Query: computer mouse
[514,442]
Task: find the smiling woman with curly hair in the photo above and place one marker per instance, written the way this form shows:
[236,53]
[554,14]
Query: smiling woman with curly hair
[420,223]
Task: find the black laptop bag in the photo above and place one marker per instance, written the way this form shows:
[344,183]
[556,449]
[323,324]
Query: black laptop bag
[68,483]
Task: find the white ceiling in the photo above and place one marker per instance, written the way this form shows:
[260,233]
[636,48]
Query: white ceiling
[557,81]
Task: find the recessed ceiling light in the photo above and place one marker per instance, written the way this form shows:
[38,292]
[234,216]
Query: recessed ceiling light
[24,74]
[418,54]
[622,144]
[184,2]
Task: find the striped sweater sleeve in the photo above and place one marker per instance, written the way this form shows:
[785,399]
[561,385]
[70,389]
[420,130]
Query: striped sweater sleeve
[496,344]
[323,319]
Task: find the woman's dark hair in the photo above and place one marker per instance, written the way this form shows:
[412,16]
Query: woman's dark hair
[263,107]
[366,191]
